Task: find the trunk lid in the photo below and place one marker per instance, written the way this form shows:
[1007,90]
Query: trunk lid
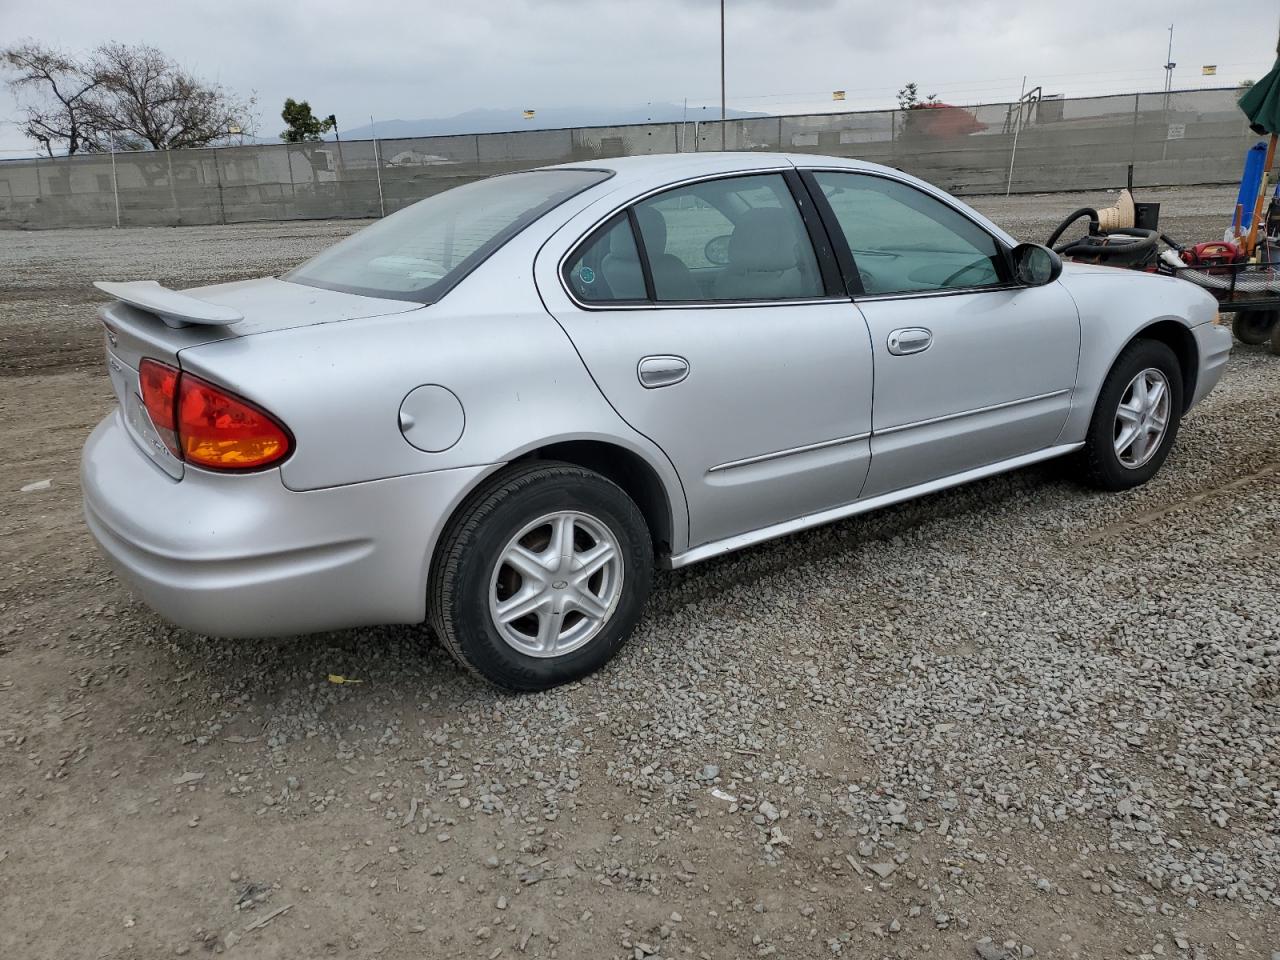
[153,321]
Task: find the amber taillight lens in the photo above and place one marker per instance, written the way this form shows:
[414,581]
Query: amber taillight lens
[207,426]
[222,431]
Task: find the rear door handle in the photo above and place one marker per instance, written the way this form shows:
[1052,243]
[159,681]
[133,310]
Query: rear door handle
[909,340]
[661,371]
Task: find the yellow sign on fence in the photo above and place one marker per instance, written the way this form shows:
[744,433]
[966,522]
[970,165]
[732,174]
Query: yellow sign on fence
[1209,70]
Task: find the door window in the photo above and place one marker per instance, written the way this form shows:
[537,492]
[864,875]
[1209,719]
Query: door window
[905,241]
[739,238]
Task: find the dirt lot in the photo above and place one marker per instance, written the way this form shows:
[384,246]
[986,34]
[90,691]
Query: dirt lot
[1018,719]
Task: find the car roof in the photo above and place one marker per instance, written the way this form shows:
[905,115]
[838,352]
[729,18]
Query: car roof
[692,164]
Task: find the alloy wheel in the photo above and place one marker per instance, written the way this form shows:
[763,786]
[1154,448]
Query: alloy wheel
[556,584]
[1142,418]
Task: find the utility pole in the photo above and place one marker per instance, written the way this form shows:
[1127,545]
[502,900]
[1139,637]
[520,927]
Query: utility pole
[722,101]
[1169,65]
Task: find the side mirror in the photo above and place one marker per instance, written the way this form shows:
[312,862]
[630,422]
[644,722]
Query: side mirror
[1034,265]
[717,250]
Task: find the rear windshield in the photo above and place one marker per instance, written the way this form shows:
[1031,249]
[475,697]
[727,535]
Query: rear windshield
[423,250]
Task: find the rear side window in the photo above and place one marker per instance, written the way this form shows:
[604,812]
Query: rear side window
[607,267]
[737,238]
[730,239]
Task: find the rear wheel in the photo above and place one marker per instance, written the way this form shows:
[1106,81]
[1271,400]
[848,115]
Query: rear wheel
[541,576]
[1255,327]
[1136,419]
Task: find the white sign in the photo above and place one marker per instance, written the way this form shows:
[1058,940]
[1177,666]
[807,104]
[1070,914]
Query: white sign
[1177,131]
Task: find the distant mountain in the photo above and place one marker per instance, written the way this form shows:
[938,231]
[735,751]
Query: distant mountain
[550,118]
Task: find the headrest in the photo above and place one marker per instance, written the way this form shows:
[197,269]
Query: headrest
[653,228]
[763,240]
[622,243]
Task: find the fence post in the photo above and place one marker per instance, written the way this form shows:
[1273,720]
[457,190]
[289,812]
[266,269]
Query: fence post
[1133,133]
[377,167]
[173,191]
[217,175]
[1013,153]
[115,182]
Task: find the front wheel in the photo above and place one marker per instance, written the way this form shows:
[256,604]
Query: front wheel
[1136,418]
[541,576]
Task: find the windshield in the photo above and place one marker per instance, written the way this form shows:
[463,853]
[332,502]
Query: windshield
[422,251]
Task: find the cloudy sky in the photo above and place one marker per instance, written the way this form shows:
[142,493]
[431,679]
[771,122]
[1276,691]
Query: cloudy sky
[429,58]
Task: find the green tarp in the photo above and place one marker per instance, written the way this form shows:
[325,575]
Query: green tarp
[1261,103]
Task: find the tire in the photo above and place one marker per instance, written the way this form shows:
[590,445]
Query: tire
[514,518]
[1255,327]
[1099,463]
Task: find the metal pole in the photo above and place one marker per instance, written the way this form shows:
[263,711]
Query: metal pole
[377,166]
[684,118]
[342,167]
[173,190]
[1008,187]
[115,183]
[723,124]
[217,175]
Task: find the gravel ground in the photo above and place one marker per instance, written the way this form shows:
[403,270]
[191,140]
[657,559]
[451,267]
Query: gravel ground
[1017,719]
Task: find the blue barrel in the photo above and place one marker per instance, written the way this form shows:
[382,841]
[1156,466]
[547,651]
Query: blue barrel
[1250,184]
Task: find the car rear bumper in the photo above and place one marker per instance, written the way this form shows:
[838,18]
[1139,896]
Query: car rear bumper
[242,555]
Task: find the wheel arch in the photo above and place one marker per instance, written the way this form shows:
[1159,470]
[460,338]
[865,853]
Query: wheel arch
[1177,336]
[630,471]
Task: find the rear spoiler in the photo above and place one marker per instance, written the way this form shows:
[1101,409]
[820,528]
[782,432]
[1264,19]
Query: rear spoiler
[174,308]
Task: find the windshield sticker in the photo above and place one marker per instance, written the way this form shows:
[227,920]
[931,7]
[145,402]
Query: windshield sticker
[587,275]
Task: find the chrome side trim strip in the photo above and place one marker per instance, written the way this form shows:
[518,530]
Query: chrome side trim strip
[729,544]
[970,413]
[790,451]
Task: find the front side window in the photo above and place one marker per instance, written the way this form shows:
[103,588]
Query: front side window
[905,241]
[420,252]
[738,238]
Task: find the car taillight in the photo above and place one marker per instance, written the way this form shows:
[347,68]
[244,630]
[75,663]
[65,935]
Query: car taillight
[205,425]
[222,431]
[159,384]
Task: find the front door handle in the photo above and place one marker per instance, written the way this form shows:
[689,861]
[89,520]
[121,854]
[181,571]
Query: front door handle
[661,371]
[909,340]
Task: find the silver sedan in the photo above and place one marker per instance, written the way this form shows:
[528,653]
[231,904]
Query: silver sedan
[496,410]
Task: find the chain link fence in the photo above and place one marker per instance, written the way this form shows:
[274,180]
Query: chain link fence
[1182,138]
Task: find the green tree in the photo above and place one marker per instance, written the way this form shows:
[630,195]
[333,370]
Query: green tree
[303,125]
[909,98]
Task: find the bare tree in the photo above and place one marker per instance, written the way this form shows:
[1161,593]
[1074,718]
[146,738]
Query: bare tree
[145,99]
[54,92]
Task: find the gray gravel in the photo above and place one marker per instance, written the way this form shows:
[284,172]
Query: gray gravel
[1017,719]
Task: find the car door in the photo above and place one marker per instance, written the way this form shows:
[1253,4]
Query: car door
[970,368]
[715,328]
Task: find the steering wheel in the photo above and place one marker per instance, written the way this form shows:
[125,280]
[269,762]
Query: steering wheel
[982,262]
